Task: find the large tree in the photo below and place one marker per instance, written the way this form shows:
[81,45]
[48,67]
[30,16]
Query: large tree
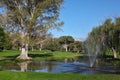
[30,18]
[105,38]
[52,44]
[113,36]
[65,41]
[77,46]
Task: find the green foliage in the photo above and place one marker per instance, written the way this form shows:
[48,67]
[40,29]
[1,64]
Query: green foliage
[52,45]
[107,37]
[8,42]
[66,39]
[76,46]
[2,38]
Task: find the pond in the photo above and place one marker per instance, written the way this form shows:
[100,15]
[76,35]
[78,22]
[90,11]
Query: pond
[80,66]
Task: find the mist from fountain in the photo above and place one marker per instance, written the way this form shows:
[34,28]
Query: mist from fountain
[92,49]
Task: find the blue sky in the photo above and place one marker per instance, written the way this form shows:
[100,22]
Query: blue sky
[80,16]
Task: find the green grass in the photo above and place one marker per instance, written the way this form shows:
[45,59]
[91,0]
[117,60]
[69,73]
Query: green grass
[4,75]
[66,54]
[9,54]
[63,55]
[39,55]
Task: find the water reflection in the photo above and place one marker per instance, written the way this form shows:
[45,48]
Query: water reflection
[73,65]
[23,65]
[41,66]
[75,59]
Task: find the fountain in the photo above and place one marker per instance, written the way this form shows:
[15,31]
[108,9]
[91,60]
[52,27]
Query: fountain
[92,49]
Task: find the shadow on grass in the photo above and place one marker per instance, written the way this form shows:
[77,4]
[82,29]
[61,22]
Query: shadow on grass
[30,55]
[40,55]
[9,57]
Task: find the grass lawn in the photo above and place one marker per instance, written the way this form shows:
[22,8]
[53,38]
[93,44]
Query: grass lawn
[9,54]
[4,75]
[39,55]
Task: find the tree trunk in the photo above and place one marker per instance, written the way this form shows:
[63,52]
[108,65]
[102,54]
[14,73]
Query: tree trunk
[24,53]
[66,49]
[114,52]
[32,48]
[24,49]
[78,51]
[40,47]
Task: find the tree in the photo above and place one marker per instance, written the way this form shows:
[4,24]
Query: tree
[30,18]
[9,42]
[113,37]
[52,44]
[77,46]
[105,38]
[44,38]
[2,38]
[65,41]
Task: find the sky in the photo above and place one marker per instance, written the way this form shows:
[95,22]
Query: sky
[81,16]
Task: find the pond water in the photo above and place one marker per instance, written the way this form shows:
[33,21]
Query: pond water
[66,66]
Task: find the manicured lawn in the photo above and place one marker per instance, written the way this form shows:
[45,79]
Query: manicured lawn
[54,76]
[40,55]
[9,54]
[66,54]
